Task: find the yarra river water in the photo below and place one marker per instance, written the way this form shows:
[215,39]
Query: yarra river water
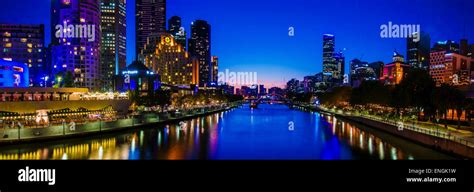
[269,132]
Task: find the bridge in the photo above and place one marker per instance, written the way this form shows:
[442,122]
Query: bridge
[270,98]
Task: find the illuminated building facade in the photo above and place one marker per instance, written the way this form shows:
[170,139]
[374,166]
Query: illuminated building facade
[175,28]
[13,74]
[215,69]
[150,20]
[451,68]
[418,52]
[393,73]
[200,47]
[340,60]
[329,62]
[79,54]
[137,77]
[361,71]
[114,41]
[170,61]
[25,44]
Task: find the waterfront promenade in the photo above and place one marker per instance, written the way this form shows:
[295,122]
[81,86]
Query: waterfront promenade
[460,142]
[71,129]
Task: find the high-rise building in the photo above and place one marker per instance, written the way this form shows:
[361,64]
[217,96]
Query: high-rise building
[215,69]
[175,28]
[418,50]
[329,62]
[200,47]
[114,41]
[171,62]
[150,19]
[262,90]
[25,44]
[340,60]
[464,47]
[76,36]
[450,68]
[292,86]
[393,73]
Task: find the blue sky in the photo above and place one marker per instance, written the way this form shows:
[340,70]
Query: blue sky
[252,35]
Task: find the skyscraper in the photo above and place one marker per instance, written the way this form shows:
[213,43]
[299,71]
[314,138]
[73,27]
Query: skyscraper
[215,69]
[418,52]
[340,60]
[150,19]
[25,44]
[329,62]
[200,47]
[175,28]
[77,43]
[114,41]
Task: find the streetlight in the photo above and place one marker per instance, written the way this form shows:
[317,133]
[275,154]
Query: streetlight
[46,81]
[59,81]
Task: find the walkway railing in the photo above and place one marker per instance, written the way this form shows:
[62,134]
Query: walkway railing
[69,128]
[400,125]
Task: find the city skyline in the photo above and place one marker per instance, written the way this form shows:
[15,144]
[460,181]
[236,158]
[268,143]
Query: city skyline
[265,42]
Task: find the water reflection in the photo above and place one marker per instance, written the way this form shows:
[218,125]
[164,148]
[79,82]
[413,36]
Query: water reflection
[237,134]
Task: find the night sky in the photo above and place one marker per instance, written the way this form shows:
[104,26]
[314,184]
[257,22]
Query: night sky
[252,35]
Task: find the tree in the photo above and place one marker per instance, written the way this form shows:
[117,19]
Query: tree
[415,90]
[370,92]
[162,98]
[68,79]
[447,97]
[337,97]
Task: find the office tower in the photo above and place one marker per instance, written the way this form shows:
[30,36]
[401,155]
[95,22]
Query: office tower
[25,44]
[329,62]
[76,36]
[150,19]
[215,69]
[393,73]
[200,48]
[170,61]
[175,28]
[114,41]
[464,47]
[450,68]
[340,61]
[418,50]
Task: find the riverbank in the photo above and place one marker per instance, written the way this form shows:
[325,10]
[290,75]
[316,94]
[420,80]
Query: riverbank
[33,135]
[432,139]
